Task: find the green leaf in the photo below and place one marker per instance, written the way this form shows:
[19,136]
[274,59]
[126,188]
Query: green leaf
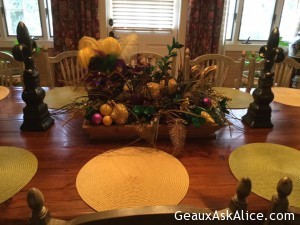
[178,46]
[172,54]
[258,59]
[283,43]
[169,48]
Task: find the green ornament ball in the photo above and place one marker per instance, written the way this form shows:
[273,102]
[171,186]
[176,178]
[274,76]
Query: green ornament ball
[196,122]
[138,110]
[149,110]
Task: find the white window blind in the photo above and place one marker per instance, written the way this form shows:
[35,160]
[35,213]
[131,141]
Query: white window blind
[153,15]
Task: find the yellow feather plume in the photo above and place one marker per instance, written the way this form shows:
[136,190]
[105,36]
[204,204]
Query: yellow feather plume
[111,46]
[88,42]
[128,44]
[84,56]
[89,47]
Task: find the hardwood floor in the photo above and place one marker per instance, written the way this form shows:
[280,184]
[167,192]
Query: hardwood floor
[64,148]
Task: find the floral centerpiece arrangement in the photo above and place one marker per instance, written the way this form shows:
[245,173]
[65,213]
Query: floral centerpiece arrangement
[146,95]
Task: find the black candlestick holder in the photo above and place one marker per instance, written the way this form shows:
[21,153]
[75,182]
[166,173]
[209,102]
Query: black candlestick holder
[36,115]
[259,112]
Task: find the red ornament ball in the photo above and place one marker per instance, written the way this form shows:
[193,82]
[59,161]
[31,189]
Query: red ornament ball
[96,118]
[207,102]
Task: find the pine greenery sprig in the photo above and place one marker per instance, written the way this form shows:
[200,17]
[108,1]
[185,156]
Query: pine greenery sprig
[164,63]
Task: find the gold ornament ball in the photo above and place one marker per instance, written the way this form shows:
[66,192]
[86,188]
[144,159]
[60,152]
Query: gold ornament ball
[107,120]
[125,87]
[119,114]
[172,85]
[105,109]
[154,89]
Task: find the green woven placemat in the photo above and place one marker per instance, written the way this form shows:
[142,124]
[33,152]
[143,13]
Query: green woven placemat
[59,97]
[17,167]
[239,99]
[132,177]
[265,164]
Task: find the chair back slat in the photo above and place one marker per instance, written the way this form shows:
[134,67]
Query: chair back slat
[284,71]
[69,68]
[73,71]
[63,71]
[66,64]
[252,68]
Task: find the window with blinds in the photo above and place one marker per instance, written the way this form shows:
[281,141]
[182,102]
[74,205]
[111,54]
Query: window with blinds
[151,15]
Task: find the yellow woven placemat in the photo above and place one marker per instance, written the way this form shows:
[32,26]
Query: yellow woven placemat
[59,97]
[287,96]
[265,164]
[239,99]
[132,177]
[17,167]
[4,91]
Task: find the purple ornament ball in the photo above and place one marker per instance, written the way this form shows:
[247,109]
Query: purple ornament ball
[96,119]
[207,102]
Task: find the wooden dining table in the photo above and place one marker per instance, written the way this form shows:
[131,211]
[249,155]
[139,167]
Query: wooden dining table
[64,148]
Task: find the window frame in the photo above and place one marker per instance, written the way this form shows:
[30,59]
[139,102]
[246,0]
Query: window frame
[233,21]
[8,41]
[235,44]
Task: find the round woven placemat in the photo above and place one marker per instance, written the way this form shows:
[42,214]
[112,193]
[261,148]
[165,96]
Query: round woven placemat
[59,97]
[132,177]
[239,99]
[265,164]
[17,167]
[287,96]
[4,91]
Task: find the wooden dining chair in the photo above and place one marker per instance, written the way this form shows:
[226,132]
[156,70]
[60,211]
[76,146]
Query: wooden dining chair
[226,68]
[66,64]
[283,72]
[10,70]
[150,59]
[279,211]
[148,215]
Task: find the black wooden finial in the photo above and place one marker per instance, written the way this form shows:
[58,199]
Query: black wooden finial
[279,202]
[259,112]
[271,52]
[40,215]
[22,52]
[36,114]
[243,190]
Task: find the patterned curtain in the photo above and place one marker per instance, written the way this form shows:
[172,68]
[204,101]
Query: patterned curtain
[204,26]
[73,19]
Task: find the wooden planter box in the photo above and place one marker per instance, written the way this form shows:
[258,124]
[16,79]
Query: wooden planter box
[129,131]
